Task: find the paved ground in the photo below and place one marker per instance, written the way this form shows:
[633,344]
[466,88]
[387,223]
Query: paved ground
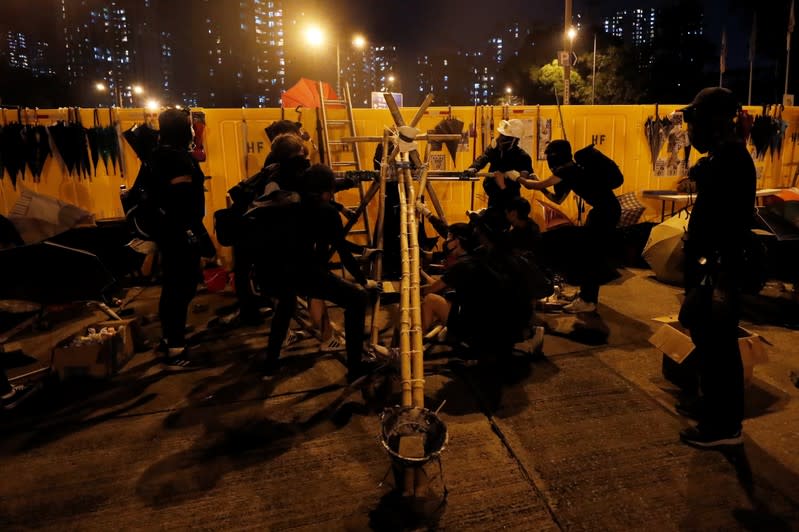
[583,438]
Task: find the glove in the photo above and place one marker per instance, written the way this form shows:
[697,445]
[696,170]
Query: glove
[513,175]
[423,210]
[348,213]
[373,286]
[470,172]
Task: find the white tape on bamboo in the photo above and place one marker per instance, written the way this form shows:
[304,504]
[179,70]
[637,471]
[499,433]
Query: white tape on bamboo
[416,334]
[405,318]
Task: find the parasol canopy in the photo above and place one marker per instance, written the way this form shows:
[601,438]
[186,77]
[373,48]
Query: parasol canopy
[38,217]
[305,93]
[664,250]
[49,273]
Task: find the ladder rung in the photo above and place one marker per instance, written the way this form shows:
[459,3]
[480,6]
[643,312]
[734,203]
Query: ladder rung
[339,143]
[342,163]
[335,102]
[337,122]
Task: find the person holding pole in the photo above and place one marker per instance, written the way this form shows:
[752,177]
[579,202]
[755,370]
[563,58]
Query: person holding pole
[507,162]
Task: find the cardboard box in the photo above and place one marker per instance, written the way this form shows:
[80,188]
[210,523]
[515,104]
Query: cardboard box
[96,359]
[674,341]
[128,329]
[85,360]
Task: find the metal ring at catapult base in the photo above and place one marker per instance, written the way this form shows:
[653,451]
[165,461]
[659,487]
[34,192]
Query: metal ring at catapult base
[401,421]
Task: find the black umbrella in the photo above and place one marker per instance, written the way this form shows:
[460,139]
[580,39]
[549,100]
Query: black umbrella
[37,149]
[762,130]
[93,136]
[448,126]
[142,138]
[48,273]
[13,146]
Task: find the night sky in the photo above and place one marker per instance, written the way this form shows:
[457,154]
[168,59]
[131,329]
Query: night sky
[421,25]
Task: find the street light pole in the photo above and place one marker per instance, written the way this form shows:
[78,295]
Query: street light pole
[567,22]
[338,68]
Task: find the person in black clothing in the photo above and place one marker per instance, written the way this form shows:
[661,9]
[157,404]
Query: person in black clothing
[524,233]
[507,162]
[182,239]
[715,251]
[286,161]
[599,226]
[318,233]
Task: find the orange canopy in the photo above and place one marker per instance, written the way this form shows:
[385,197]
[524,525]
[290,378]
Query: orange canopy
[305,93]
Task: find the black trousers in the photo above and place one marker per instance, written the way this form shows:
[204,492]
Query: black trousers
[352,297]
[715,335]
[243,260]
[597,236]
[180,267]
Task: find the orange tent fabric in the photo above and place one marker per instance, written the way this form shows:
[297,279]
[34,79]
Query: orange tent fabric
[305,93]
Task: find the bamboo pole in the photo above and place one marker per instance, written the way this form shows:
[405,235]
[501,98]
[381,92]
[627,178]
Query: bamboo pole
[381,209]
[416,333]
[405,317]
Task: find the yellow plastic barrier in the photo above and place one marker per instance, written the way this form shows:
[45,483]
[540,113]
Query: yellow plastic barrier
[236,146]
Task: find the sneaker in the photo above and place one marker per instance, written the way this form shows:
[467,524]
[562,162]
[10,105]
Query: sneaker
[704,439]
[293,337]
[336,343]
[19,393]
[578,306]
[382,353]
[536,343]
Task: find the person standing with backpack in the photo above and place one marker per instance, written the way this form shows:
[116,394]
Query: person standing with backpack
[181,238]
[594,185]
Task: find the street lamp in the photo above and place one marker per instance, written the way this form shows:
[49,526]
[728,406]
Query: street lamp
[571,33]
[509,92]
[315,36]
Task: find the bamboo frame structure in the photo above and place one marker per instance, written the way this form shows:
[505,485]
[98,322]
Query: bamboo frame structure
[378,237]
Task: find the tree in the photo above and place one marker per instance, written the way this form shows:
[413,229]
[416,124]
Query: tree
[616,82]
[549,79]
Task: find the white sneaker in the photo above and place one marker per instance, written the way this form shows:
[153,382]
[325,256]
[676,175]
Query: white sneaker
[336,343]
[578,306]
[536,343]
[294,336]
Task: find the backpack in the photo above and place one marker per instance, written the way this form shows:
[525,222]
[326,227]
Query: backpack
[599,166]
[142,205]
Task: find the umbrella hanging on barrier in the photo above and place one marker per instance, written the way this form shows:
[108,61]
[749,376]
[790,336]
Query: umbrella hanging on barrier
[664,249]
[37,149]
[448,126]
[70,141]
[655,133]
[12,145]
